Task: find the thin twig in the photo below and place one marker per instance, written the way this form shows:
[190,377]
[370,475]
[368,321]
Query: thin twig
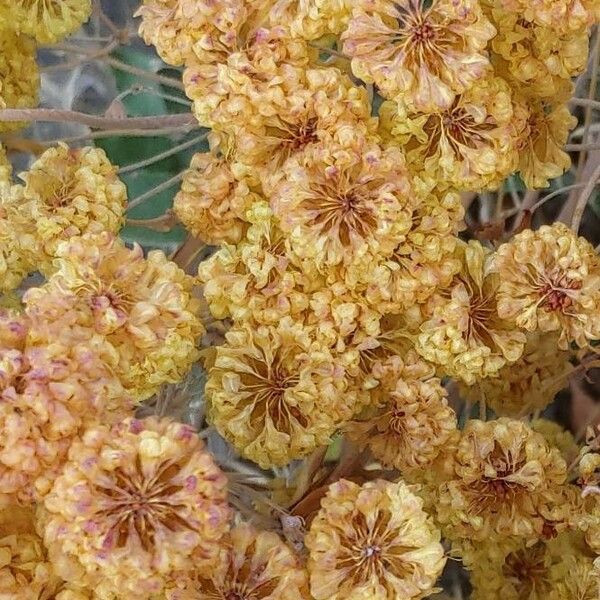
[52,115]
[158,157]
[156,190]
[583,199]
[562,190]
[95,55]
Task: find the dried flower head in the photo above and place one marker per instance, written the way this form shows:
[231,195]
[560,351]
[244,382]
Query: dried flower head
[372,541]
[48,21]
[132,504]
[410,429]
[19,73]
[506,482]
[470,144]
[142,306]
[529,384]
[550,281]
[535,58]
[14,266]
[256,279]
[66,193]
[250,83]
[425,261]
[418,51]
[541,139]
[277,393]
[345,205]
[464,334]
[175,26]
[253,565]
[5,168]
[212,203]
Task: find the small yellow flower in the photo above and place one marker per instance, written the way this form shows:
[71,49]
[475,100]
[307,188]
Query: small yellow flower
[372,541]
[14,266]
[5,168]
[252,564]
[65,193]
[174,26]
[19,73]
[506,481]
[421,52]
[550,281]
[48,21]
[133,504]
[143,307]
[277,393]
[212,203]
[529,384]
[470,144]
[464,334]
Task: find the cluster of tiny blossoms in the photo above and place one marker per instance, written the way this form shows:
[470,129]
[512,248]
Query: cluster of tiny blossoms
[342,134]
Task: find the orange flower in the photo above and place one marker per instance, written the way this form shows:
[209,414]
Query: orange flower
[421,52]
[252,564]
[372,541]
[132,504]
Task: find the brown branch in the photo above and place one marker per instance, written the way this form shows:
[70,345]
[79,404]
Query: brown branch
[93,121]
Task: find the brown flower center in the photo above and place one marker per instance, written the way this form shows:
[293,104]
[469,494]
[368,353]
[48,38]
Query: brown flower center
[527,571]
[557,292]
[135,503]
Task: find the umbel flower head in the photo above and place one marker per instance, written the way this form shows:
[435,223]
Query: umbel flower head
[19,73]
[65,193]
[470,144]
[410,429]
[132,504]
[174,26]
[528,385]
[372,541]
[345,205]
[143,307]
[25,573]
[506,481]
[550,281]
[48,393]
[212,203]
[421,52]
[252,565]
[464,334]
[277,392]
[48,21]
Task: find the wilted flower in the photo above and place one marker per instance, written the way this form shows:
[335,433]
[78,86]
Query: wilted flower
[550,281]
[541,138]
[256,279]
[506,480]
[131,505]
[276,393]
[372,541]
[252,564]
[470,144]
[529,384]
[5,168]
[345,206]
[409,430]
[48,21]
[212,203]
[19,73]
[535,58]
[66,193]
[464,334]
[174,26]
[421,52]
[13,265]
[142,306]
